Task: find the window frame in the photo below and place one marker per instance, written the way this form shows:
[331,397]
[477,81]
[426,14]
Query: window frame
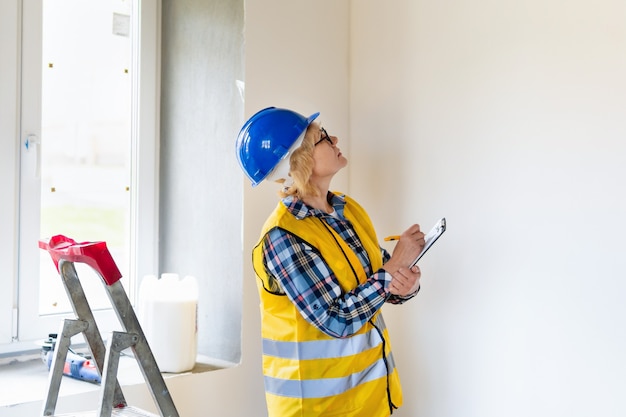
[9,46]
[18,334]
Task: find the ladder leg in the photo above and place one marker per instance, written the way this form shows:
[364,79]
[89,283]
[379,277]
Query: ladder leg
[81,307]
[117,343]
[143,353]
[68,329]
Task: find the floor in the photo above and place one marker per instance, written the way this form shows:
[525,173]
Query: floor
[27,380]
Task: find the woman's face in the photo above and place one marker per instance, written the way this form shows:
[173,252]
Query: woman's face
[327,156]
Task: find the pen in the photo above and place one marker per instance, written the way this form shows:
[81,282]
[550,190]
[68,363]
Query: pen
[394,237]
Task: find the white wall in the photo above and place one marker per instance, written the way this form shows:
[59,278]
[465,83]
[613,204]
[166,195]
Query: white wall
[507,118]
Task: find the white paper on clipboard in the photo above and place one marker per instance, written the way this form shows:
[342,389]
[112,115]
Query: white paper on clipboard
[432,237]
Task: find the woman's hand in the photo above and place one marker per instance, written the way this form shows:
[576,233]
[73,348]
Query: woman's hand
[408,247]
[405,281]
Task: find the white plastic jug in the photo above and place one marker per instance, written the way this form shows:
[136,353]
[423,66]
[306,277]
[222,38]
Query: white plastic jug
[168,309]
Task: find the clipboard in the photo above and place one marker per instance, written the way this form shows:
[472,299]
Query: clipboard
[431,237]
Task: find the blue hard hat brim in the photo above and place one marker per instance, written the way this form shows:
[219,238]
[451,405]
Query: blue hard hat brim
[312,117]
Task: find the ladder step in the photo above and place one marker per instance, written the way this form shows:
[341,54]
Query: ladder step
[122,412]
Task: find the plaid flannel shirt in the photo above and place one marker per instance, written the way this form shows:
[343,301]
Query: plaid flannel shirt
[309,283]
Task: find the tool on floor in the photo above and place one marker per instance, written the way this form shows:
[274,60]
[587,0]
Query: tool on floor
[65,252]
[76,366]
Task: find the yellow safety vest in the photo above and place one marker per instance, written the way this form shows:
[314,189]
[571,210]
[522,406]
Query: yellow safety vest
[308,373]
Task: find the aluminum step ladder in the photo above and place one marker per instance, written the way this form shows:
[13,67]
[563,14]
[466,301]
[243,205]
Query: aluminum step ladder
[65,252]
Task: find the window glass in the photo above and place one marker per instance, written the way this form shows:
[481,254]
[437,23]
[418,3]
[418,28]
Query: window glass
[86,137]
[88,152]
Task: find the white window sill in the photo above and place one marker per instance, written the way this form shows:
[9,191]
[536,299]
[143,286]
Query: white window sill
[26,380]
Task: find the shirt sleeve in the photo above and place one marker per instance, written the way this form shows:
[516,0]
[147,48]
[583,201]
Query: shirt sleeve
[313,288]
[392,298]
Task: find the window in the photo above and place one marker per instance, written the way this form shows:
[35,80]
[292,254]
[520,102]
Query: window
[88,149]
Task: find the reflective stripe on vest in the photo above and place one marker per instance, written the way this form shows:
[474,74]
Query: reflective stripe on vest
[319,388]
[322,349]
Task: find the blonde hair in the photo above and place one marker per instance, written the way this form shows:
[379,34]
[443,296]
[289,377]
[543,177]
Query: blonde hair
[301,166]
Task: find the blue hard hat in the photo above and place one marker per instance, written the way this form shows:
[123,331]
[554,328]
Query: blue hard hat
[266,138]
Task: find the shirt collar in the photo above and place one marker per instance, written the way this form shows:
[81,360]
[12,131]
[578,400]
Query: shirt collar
[300,210]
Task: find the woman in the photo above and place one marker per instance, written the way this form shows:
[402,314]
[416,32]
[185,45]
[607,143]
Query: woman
[322,277]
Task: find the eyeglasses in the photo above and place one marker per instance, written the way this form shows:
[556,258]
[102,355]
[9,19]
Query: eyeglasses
[324,136]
